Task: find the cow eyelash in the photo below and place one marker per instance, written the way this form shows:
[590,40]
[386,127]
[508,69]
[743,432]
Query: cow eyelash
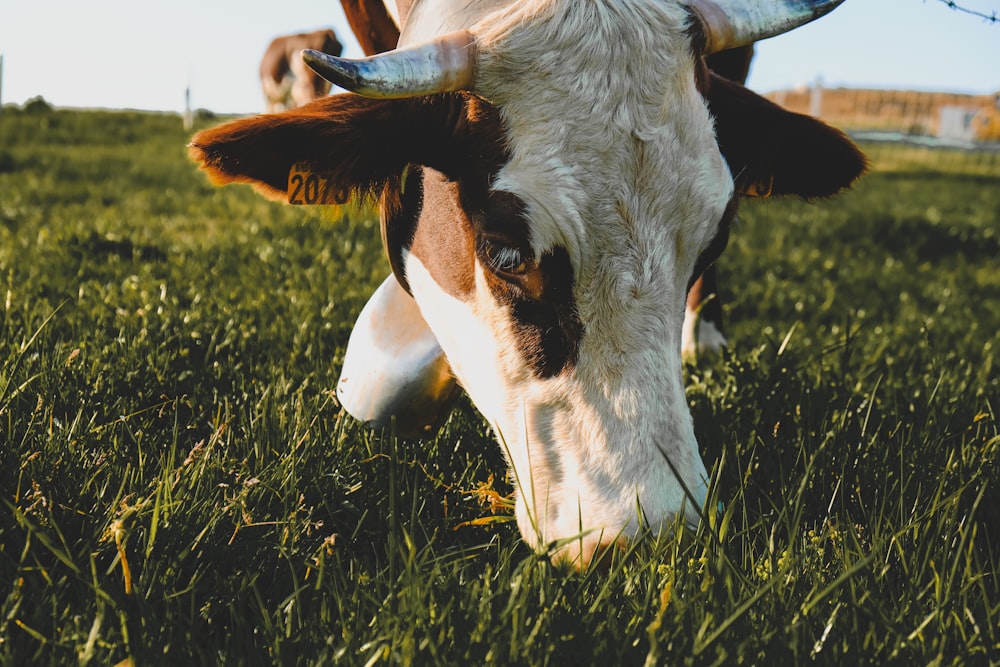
[504,259]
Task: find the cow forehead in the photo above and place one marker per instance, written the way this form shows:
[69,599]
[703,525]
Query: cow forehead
[597,49]
[604,122]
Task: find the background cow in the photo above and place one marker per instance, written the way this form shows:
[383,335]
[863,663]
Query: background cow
[284,77]
[553,174]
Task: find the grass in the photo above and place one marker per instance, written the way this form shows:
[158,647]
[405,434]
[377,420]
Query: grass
[180,486]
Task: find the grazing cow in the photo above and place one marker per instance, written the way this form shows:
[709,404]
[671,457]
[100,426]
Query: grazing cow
[553,174]
[284,77]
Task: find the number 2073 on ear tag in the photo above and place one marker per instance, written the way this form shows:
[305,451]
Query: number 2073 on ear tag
[309,187]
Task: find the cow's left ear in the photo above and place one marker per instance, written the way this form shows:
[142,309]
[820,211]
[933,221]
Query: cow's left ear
[771,151]
[357,144]
[343,137]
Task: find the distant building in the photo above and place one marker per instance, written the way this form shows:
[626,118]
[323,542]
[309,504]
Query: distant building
[950,116]
[955,122]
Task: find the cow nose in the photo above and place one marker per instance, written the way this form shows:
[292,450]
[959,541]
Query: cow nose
[585,553]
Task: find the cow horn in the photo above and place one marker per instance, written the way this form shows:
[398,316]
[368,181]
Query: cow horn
[442,65]
[731,23]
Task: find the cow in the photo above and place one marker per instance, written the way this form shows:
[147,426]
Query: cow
[284,77]
[552,177]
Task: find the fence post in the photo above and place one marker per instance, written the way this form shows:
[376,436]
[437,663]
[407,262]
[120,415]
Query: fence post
[1,82]
[188,114]
[816,98]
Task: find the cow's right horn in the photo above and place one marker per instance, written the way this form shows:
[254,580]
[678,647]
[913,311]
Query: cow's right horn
[443,65]
[730,23]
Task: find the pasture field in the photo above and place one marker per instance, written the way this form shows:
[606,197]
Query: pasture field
[180,486]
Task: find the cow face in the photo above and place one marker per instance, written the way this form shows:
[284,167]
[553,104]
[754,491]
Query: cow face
[547,225]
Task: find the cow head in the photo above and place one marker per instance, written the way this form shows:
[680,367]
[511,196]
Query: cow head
[551,180]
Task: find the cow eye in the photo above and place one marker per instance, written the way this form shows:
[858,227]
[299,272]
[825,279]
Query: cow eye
[504,259]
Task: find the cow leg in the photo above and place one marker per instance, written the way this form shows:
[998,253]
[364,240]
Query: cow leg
[703,317]
[275,93]
[394,366]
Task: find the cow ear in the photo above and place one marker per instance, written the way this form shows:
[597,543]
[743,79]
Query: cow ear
[357,144]
[771,151]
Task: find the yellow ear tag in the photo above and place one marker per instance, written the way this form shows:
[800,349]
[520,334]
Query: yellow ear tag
[307,187]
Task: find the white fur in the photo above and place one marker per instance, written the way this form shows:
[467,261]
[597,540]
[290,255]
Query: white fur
[612,150]
[428,18]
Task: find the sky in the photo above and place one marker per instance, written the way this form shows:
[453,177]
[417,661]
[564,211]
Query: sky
[136,55]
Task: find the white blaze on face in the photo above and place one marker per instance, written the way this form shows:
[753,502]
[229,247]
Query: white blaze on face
[613,154]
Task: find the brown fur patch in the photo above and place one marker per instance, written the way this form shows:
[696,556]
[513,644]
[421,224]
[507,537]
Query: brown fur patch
[548,328]
[372,25]
[444,240]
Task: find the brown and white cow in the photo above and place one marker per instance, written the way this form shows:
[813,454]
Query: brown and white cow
[286,80]
[553,174]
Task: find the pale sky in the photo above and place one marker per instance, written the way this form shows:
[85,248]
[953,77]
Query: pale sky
[139,55]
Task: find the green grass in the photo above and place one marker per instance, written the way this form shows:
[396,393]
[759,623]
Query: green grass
[168,353]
